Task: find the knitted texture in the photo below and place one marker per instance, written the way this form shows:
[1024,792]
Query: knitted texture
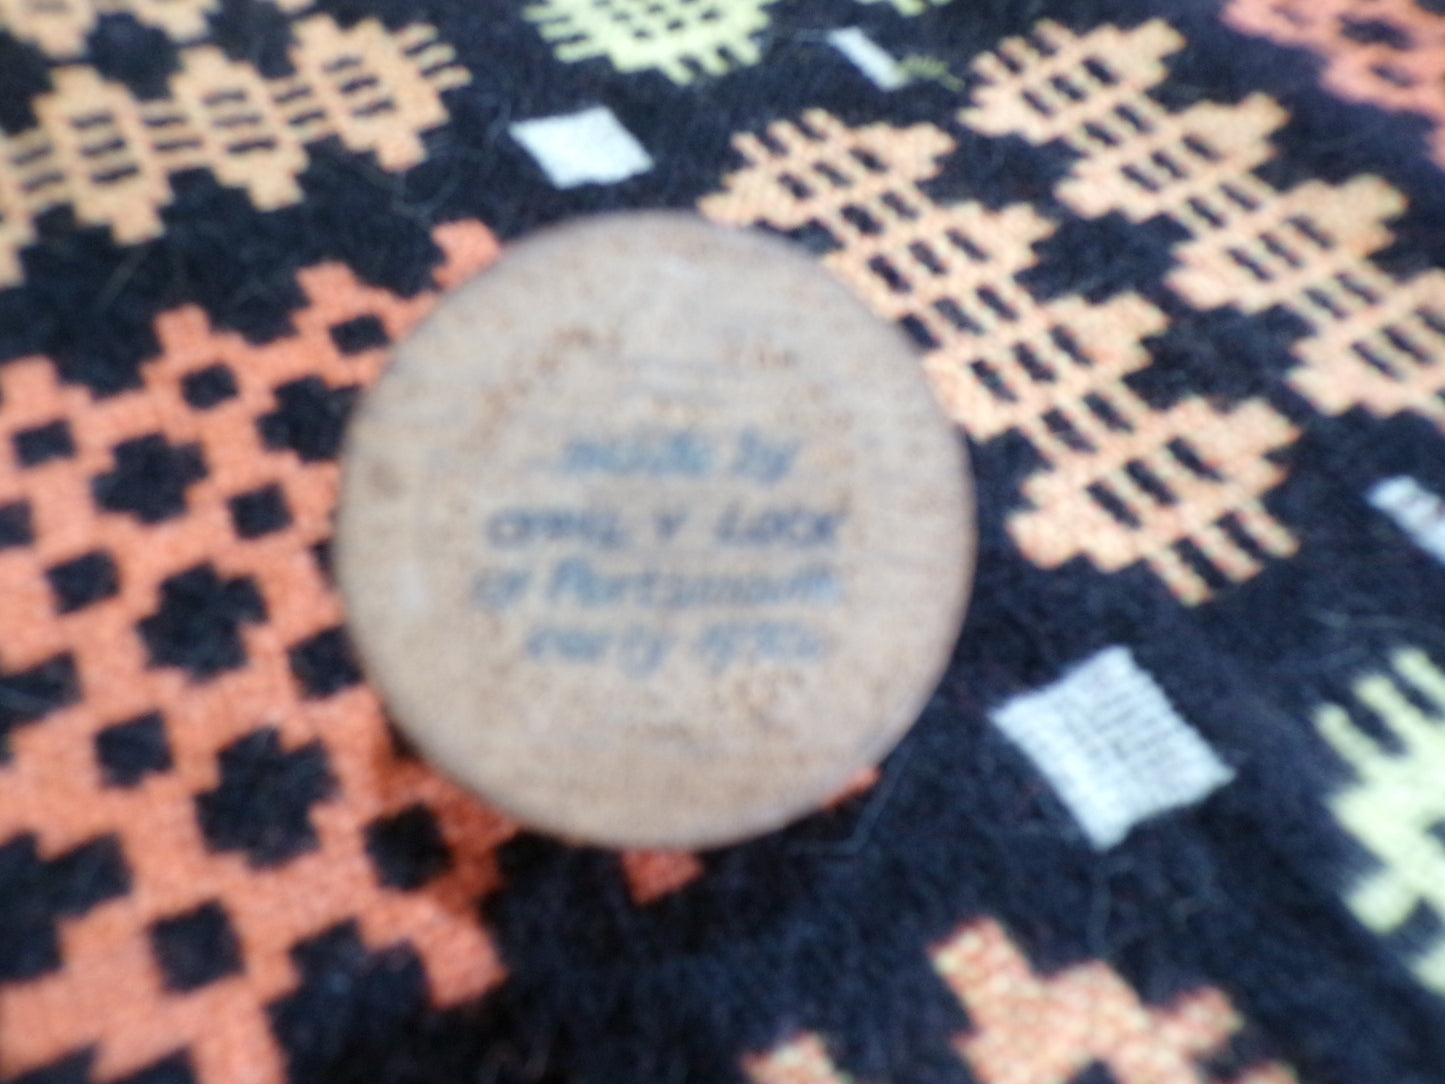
[1175,269]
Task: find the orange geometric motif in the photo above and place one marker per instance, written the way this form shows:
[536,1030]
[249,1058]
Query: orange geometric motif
[110,995]
[1372,341]
[652,875]
[108,155]
[1402,69]
[1127,483]
[1031,1030]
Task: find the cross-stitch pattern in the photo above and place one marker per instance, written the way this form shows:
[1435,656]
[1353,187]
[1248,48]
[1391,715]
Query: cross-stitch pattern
[236,771]
[680,38]
[1171,815]
[1030,1030]
[1390,53]
[109,156]
[1372,341]
[1174,488]
[1393,806]
[61,28]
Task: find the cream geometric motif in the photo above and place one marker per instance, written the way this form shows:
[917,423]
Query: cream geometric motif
[59,28]
[680,38]
[225,1030]
[1372,341]
[1396,803]
[109,156]
[1174,488]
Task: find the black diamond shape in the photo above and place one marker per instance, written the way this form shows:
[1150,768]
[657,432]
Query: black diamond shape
[322,553]
[353,1009]
[31,694]
[196,948]
[46,442]
[74,1068]
[36,893]
[209,387]
[128,752]
[83,581]
[262,805]
[408,849]
[175,1069]
[325,664]
[150,478]
[197,626]
[363,333]
[15,528]
[310,418]
[260,512]
[127,51]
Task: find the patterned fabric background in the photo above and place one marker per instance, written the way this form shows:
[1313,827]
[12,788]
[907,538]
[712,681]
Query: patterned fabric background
[1176,814]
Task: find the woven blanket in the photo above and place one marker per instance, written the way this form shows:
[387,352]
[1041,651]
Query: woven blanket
[1176,813]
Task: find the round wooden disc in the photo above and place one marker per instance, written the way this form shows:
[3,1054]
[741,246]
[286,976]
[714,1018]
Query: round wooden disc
[653,535]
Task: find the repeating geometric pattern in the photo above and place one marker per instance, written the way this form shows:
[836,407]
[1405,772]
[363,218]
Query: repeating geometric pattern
[60,28]
[680,38]
[1394,805]
[1372,341]
[1385,52]
[1178,488]
[108,156]
[245,779]
[1171,817]
[1031,1030]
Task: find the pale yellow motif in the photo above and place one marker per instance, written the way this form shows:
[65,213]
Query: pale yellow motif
[1126,483]
[680,38]
[1396,800]
[1373,341]
[109,156]
[1030,1029]
[910,7]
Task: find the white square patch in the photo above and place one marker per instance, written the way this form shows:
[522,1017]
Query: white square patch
[1415,510]
[868,57]
[1113,747]
[590,147]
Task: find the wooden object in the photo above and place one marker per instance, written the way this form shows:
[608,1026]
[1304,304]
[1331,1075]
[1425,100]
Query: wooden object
[653,535]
